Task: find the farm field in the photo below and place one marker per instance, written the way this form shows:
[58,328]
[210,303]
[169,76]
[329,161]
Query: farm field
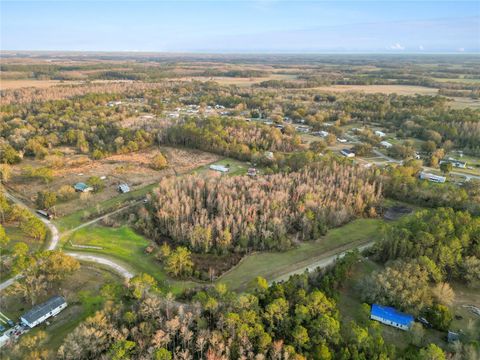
[271,265]
[133,169]
[125,245]
[83,292]
[40,84]
[384,89]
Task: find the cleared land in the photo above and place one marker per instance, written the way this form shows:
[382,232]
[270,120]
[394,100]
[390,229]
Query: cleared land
[274,264]
[133,169]
[384,89]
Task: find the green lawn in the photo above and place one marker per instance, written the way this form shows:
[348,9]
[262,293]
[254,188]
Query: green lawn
[16,235]
[82,291]
[126,247]
[236,167]
[70,221]
[274,264]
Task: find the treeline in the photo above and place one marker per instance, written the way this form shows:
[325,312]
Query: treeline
[18,216]
[241,214]
[449,239]
[402,183]
[230,137]
[85,123]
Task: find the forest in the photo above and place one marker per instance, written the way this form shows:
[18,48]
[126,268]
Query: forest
[242,213]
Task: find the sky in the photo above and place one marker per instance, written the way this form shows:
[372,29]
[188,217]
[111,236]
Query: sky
[256,26]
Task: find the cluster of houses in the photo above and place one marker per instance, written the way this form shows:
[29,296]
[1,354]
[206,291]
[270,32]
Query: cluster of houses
[84,188]
[455,163]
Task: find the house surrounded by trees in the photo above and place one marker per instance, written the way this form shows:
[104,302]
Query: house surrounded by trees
[390,316]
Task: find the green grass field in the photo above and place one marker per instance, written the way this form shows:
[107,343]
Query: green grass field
[126,247]
[274,264]
[82,291]
[236,167]
[70,221]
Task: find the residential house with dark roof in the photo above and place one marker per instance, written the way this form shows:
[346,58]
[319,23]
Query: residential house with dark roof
[42,312]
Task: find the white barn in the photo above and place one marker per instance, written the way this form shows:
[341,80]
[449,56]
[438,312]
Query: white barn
[42,312]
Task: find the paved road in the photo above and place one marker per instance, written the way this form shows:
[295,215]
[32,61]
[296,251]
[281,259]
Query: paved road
[320,263]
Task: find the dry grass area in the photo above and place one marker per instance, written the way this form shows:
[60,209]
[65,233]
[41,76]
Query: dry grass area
[40,84]
[133,169]
[239,81]
[384,89]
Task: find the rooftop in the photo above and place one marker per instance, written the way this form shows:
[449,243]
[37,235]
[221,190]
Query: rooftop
[41,310]
[392,314]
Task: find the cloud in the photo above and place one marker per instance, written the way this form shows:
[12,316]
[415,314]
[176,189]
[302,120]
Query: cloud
[421,48]
[461,49]
[396,46]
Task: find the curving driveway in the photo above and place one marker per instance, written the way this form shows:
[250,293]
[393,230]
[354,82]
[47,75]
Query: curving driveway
[55,237]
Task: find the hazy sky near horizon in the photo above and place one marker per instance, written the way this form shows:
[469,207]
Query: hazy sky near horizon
[242,26]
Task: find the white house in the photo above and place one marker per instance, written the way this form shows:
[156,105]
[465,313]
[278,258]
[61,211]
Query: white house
[386,144]
[380,133]
[42,312]
[432,177]
[220,168]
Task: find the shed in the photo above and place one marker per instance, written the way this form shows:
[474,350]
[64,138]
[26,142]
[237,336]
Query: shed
[42,312]
[390,316]
[123,188]
[82,187]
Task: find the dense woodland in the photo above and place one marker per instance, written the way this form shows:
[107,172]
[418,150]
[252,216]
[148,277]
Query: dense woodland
[241,213]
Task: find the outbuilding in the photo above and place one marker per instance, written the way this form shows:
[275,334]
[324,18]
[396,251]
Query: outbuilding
[82,187]
[124,188]
[390,316]
[348,153]
[42,312]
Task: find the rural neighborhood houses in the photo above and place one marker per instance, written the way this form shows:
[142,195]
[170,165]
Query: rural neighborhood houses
[380,133]
[42,312]
[386,144]
[390,316]
[454,162]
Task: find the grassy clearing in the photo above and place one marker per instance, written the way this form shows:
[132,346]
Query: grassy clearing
[274,264]
[124,246]
[77,218]
[236,167]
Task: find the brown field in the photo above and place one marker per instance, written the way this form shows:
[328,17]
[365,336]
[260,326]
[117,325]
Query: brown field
[41,84]
[241,82]
[133,169]
[384,89]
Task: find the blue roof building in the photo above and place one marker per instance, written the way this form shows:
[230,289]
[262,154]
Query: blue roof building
[390,316]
